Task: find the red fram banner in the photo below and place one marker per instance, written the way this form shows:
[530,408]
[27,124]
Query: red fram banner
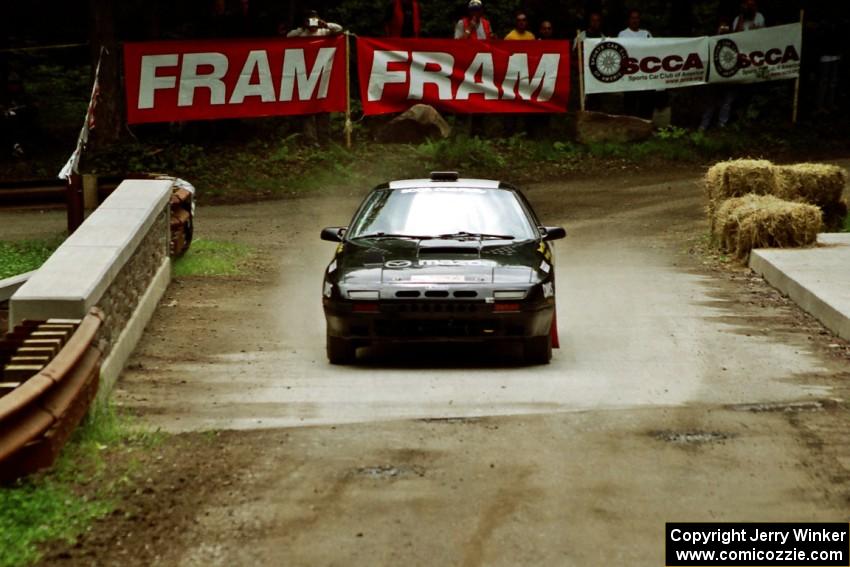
[172,81]
[463,76]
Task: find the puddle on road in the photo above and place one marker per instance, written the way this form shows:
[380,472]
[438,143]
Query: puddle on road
[451,420]
[786,407]
[691,437]
[389,472]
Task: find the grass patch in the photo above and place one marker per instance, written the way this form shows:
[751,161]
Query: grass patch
[62,503]
[846,227]
[212,258]
[22,256]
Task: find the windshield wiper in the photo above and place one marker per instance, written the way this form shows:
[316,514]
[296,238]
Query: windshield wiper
[479,235]
[391,235]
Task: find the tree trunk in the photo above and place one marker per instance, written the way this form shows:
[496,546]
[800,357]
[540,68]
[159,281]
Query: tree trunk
[109,112]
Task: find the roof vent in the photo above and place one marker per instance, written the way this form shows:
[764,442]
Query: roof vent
[444,176]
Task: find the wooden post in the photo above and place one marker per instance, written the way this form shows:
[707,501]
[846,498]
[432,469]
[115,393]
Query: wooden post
[799,75]
[348,126]
[580,48]
[90,200]
[74,195]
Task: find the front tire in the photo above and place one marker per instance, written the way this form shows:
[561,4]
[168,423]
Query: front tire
[538,350]
[341,351]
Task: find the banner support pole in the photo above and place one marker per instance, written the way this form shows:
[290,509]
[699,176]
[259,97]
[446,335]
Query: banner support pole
[581,95]
[348,125]
[796,103]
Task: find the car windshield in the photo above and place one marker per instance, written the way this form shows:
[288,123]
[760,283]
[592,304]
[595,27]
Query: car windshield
[433,212]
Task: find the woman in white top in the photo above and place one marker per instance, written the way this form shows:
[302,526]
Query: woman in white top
[749,19]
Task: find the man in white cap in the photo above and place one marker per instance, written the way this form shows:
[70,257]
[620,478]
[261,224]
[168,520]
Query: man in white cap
[474,26]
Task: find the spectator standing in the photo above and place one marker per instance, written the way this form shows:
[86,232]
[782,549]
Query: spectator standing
[520,31]
[403,19]
[635,103]
[829,50]
[633,30]
[593,31]
[545,31]
[718,95]
[749,19]
[314,26]
[316,126]
[474,25]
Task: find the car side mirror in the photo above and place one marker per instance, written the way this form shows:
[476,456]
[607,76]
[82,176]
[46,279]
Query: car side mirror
[334,233]
[553,232]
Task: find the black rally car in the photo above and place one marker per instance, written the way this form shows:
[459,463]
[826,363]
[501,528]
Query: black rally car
[441,259]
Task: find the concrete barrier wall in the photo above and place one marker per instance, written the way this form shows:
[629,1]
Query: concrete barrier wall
[117,261]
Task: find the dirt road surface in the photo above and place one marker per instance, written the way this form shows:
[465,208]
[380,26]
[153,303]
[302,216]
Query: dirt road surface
[680,393]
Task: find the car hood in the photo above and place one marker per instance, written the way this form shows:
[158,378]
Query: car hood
[406,261]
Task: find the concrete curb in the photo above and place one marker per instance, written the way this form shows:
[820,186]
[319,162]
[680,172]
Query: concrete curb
[816,279]
[126,343]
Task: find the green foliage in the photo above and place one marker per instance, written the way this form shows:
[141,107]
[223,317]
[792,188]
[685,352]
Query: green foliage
[147,158]
[62,503]
[846,227]
[37,512]
[463,152]
[671,133]
[212,258]
[20,256]
[66,87]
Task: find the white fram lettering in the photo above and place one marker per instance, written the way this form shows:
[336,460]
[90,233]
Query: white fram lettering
[149,82]
[295,71]
[264,88]
[483,64]
[518,76]
[437,68]
[191,78]
[207,71]
[380,75]
[421,74]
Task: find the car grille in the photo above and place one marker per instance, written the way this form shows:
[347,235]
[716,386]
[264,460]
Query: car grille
[431,307]
[436,328]
[412,293]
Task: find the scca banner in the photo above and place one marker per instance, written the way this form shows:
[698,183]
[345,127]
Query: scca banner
[766,54]
[463,76]
[206,80]
[634,64]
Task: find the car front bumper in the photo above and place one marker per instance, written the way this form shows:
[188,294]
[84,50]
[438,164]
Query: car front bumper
[434,321]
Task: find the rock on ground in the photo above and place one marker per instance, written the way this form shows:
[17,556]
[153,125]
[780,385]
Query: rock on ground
[594,127]
[415,125]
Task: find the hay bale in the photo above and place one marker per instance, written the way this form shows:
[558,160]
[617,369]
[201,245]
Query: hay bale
[736,178]
[757,221]
[813,183]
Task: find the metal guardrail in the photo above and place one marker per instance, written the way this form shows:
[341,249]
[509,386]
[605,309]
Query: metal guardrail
[38,415]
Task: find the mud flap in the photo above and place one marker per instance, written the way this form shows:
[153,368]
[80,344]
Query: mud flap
[553,330]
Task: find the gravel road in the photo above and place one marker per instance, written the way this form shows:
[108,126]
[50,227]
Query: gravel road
[681,393]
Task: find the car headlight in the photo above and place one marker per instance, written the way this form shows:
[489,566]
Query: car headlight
[510,293]
[364,295]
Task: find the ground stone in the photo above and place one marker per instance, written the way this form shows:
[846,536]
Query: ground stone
[415,125]
[595,127]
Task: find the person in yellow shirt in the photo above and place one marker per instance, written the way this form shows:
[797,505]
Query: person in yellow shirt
[520,31]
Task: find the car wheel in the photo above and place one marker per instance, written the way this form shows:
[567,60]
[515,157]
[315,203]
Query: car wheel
[341,351]
[538,350]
